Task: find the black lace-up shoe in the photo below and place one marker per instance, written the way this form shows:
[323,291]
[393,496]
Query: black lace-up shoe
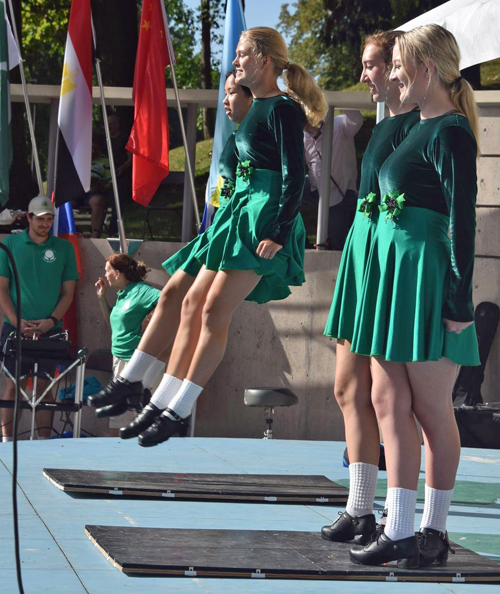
[347,528]
[141,422]
[129,403]
[117,390]
[434,547]
[381,549]
[112,410]
[163,428]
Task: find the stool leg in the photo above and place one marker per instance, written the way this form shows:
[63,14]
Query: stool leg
[268,434]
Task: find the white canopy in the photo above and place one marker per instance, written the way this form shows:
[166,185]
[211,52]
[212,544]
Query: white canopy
[475,24]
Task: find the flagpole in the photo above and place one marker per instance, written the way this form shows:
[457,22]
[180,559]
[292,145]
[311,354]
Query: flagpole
[121,227]
[184,140]
[27,104]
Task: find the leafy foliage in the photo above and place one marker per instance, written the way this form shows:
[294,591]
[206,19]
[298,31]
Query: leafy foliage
[327,35]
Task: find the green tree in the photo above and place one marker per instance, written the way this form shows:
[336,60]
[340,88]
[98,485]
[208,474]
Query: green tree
[326,35]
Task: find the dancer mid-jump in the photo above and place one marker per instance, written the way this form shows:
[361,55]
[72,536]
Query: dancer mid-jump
[146,363]
[256,249]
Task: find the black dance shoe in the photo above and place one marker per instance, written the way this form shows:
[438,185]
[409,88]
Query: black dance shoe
[141,422]
[129,403]
[434,547]
[112,410]
[163,428]
[117,390]
[382,550]
[347,528]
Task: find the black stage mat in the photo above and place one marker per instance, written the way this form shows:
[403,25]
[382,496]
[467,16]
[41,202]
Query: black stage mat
[226,487]
[265,554]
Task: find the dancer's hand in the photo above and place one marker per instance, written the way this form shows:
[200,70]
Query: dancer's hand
[456,327]
[268,249]
[101,287]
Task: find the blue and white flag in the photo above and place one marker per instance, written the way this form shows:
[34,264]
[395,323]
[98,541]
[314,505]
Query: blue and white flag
[233,27]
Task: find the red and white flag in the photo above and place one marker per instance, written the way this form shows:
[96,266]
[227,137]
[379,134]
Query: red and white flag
[148,140]
[74,140]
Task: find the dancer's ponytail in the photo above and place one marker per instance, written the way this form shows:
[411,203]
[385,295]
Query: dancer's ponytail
[301,86]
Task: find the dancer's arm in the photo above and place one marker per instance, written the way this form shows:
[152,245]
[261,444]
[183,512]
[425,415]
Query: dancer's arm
[288,131]
[455,155]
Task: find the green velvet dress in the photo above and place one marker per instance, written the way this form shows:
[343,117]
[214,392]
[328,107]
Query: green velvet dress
[185,258]
[265,205]
[421,261]
[386,136]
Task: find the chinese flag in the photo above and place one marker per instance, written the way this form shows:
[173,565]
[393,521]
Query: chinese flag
[148,140]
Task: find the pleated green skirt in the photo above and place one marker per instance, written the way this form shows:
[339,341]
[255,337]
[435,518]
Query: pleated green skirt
[245,222]
[185,258]
[400,309]
[340,323]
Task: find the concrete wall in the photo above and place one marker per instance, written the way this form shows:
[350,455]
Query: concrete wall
[281,343]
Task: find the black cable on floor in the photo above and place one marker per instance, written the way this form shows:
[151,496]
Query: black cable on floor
[15,420]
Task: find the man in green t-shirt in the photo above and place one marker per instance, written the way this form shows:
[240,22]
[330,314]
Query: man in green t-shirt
[47,273]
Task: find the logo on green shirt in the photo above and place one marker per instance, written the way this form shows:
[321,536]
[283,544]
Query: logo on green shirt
[126,305]
[49,256]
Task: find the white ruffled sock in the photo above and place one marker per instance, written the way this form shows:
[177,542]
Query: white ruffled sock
[436,508]
[137,367]
[401,505]
[152,373]
[182,403]
[362,485]
[168,388]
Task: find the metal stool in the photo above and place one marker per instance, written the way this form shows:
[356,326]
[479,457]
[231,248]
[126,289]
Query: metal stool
[269,398]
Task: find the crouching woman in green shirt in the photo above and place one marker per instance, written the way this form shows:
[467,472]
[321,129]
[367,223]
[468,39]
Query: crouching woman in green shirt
[130,314]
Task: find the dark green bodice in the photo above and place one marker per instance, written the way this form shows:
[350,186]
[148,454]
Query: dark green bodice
[435,168]
[228,159]
[271,137]
[386,136]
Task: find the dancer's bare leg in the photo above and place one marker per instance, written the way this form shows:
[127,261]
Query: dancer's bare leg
[432,384]
[393,401]
[228,290]
[188,332]
[352,389]
[161,330]
[353,394]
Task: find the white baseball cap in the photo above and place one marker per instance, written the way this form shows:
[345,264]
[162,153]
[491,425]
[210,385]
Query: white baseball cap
[41,205]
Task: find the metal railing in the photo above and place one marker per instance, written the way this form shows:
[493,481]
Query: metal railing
[195,98]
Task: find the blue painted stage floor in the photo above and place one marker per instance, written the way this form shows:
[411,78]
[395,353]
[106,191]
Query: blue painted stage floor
[58,558]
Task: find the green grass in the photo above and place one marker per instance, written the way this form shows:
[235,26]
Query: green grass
[490,75]
[167,225]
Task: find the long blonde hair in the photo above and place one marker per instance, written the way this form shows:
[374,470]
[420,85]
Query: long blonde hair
[300,85]
[433,43]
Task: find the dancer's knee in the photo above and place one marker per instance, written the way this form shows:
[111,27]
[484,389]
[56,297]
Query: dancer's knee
[215,316]
[350,394]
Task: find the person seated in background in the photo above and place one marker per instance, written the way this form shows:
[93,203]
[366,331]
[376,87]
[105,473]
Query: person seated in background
[47,275]
[100,189]
[128,317]
[343,174]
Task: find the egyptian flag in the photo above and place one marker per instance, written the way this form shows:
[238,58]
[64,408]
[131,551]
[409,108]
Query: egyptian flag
[74,138]
[148,140]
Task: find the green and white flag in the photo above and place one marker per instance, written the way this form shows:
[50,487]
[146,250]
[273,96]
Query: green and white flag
[9,58]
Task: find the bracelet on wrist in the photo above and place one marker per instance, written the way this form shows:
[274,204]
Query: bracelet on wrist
[54,319]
